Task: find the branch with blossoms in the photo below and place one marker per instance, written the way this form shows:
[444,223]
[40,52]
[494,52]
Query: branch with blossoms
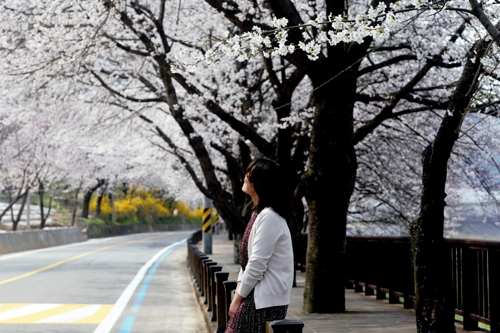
[378,23]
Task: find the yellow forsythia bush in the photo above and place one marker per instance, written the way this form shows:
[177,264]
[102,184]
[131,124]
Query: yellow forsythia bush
[143,206]
[185,209]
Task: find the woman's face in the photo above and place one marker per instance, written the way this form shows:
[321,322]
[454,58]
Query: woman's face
[247,186]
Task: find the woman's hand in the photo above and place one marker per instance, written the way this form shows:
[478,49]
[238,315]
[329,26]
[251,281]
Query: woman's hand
[235,304]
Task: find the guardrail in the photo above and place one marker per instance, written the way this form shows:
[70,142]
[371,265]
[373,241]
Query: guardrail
[381,266]
[216,290]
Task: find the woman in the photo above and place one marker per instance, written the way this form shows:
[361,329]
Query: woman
[266,256]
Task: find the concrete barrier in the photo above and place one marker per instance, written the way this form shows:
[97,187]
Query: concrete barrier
[98,231]
[30,240]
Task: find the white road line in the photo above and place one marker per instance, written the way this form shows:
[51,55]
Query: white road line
[72,316]
[26,310]
[110,320]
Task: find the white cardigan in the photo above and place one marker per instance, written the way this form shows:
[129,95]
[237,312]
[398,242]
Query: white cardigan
[270,261]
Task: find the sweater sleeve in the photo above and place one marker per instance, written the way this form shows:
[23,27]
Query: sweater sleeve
[240,274]
[267,234]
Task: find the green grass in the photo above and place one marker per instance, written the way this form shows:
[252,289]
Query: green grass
[482,326]
[94,221]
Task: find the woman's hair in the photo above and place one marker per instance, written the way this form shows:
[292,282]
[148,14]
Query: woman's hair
[273,185]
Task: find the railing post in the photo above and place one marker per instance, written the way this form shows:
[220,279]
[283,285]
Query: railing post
[284,326]
[202,276]
[368,291]
[369,264]
[408,301]
[206,283]
[198,258]
[379,294]
[220,301]
[197,268]
[189,254]
[494,289]
[469,287]
[229,286]
[393,298]
[192,256]
[213,290]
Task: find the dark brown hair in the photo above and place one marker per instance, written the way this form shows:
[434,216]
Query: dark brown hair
[273,185]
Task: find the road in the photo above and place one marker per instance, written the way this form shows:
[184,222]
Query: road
[134,283]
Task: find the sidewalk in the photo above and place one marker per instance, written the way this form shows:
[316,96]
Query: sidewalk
[364,314]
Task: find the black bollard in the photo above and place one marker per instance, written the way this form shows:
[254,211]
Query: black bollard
[212,290]
[202,276]
[220,301]
[206,283]
[229,286]
[284,326]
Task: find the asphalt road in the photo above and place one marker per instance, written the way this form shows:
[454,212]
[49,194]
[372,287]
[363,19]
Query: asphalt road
[134,283]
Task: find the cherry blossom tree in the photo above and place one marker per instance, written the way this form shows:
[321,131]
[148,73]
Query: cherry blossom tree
[359,101]
[49,140]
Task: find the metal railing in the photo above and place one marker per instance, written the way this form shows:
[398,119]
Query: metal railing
[381,266]
[216,290]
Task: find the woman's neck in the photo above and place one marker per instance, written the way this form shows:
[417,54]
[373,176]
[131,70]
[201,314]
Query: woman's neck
[255,199]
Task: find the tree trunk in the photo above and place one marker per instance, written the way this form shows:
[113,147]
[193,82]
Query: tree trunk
[45,217]
[434,306]
[11,203]
[15,221]
[88,195]
[98,205]
[220,198]
[41,191]
[329,183]
[99,201]
[75,205]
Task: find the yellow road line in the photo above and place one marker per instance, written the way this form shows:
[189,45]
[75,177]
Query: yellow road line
[59,263]
[43,316]
[5,307]
[97,317]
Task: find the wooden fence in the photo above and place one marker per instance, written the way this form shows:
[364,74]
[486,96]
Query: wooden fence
[381,266]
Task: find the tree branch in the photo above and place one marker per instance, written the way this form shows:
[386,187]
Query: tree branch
[243,129]
[230,10]
[184,162]
[364,98]
[393,48]
[161,16]
[438,62]
[485,21]
[132,99]
[127,48]
[229,158]
[386,112]
[386,63]
[435,104]
[186,44]
[148,84]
